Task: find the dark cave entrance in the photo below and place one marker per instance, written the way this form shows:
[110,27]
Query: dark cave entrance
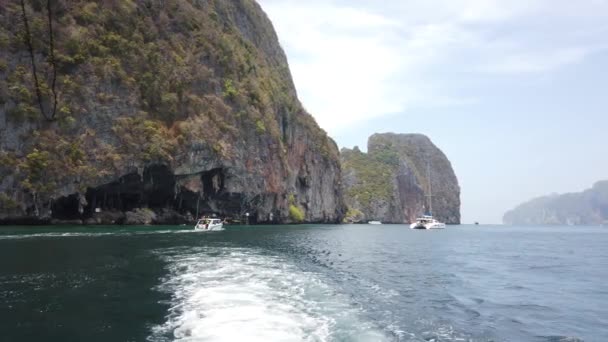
[157,188]
[213,183]
[66,208]
[212,198]
[154,189]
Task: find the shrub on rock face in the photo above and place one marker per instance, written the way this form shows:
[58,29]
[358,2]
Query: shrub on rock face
[7,203]
[354,216]
[296,214]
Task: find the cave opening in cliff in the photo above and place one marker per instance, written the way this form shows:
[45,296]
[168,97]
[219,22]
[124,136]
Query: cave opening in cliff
[213,183]
[158,187]
[155,190]
[124,194]
[66,208]
[212,197]
[209,199]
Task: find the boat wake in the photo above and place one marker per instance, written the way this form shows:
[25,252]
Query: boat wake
[121,232]
[50,235]
[236,294]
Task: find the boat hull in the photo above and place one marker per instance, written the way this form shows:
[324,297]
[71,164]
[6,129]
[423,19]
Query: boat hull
[428,225]
[435,226]
[210,228]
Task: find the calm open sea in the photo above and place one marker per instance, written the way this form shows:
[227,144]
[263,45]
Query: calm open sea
[304,283]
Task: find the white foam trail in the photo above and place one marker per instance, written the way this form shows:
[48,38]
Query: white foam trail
[50,235]
[122,232]
[239,295]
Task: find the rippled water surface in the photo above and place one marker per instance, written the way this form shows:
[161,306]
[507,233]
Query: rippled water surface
[304,283]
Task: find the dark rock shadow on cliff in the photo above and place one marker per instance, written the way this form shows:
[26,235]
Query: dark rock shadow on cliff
[153,197]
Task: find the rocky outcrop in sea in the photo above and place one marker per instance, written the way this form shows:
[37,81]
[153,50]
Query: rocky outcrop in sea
[390,183]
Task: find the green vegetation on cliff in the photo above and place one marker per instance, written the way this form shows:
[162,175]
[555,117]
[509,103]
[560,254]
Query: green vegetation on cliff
[354,216]
[374,176]
[176,61]
[296,214]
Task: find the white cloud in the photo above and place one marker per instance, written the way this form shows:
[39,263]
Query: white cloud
[533,62]
[358,60]
[341,58]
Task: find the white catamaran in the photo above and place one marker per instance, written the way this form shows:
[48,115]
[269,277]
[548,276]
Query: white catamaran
[427,221]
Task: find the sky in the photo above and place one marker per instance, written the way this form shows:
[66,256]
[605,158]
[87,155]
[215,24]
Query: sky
[513,91]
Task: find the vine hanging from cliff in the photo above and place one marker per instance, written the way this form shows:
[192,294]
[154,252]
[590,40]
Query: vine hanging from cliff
[51,60]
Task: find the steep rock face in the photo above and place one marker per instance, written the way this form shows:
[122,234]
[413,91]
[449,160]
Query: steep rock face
[390,183]
[589,207]
[182,107]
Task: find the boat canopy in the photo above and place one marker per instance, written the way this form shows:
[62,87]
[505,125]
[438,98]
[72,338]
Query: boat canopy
[212,221]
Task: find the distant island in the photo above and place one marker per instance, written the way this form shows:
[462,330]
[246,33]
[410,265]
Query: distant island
[589,207]
[390,183]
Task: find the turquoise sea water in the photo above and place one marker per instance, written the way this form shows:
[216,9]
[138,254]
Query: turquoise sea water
[304,283]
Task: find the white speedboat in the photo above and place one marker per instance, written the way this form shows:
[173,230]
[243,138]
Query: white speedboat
[374,222]
[209,225]
[427,222]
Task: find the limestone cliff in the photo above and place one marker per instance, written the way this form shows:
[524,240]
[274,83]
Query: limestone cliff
[589,207]
[115,110]
[390,183]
